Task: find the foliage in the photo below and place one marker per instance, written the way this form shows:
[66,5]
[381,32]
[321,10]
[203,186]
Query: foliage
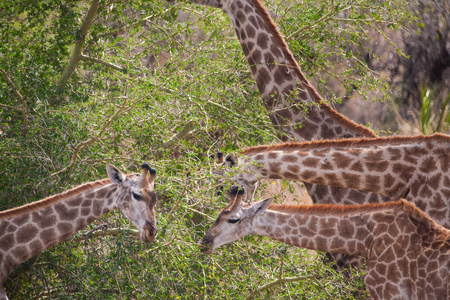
[431,122]
[168,84]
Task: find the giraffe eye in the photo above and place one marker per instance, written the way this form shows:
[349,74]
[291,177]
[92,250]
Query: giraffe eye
[232,221]
[137,196]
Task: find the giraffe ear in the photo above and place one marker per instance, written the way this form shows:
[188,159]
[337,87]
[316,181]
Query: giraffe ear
[114,174]
[258,207]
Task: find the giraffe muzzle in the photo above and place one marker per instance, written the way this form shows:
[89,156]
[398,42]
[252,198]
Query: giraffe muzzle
[205,245]
[149,232]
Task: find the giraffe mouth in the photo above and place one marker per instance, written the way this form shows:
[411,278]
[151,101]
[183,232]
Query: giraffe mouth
[148,233]
[205,246]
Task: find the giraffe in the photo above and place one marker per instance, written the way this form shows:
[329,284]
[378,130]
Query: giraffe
[415,168]
[408,253]
[28,230]
[288,96]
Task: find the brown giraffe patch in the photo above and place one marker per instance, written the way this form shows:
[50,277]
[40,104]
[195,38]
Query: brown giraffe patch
[341,160]
[351,180]
[305,129]
[428,165]
[326,165]
[389,180]
[275,167]
[21,220]
[404,172]
[321,243]
[305,231]
[285,115]
[263,79]
[308,175]
[20,253]
[309,162]
[6,241]
[36,247]
[326,132]
[358,167]
[251,32]
[26,233]
[275,51]
[294,169]
[64,228]
[337,243]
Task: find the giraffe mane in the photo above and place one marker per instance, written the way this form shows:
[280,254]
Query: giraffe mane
[52,199]
[340,209]
[339,118]
[33,206]
[346,143]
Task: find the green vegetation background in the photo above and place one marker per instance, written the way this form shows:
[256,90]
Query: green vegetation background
[165,83]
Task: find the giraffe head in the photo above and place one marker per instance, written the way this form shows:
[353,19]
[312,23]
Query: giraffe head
[232,164]
[233,223]
[137,199]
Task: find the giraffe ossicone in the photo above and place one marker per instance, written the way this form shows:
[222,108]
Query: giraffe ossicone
[408,253]
[28,230]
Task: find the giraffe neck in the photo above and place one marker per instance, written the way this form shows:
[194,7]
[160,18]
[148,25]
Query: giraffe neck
[31,230]
[317,230]
[346,229]
[286,92]
[414,168]
[398,240]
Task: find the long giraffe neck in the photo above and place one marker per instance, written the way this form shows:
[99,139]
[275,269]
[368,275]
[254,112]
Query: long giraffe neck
[31,229]
[415,168]
[288,96]
[336,229]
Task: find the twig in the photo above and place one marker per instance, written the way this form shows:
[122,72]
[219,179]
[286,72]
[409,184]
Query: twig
[117,31]
[23,109]
[110,65]
[106,232]
[103,226]
[200,213]
[276,282]
[90,141]
[181,135]
[326,16]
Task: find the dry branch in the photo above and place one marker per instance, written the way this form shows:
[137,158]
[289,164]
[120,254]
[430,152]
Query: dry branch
[110,65]
[277,282]
[24,107]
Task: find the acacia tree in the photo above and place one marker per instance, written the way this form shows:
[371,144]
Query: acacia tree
[83,83]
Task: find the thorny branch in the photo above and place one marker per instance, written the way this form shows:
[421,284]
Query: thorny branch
[24,107]
[277,282]
[90,141]
[110,65]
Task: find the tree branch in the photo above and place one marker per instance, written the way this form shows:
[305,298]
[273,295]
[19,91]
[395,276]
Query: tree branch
[90,141]
[110,65]
[323,18]
[76,55]
[23,109]
[120,30]
[277,282]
